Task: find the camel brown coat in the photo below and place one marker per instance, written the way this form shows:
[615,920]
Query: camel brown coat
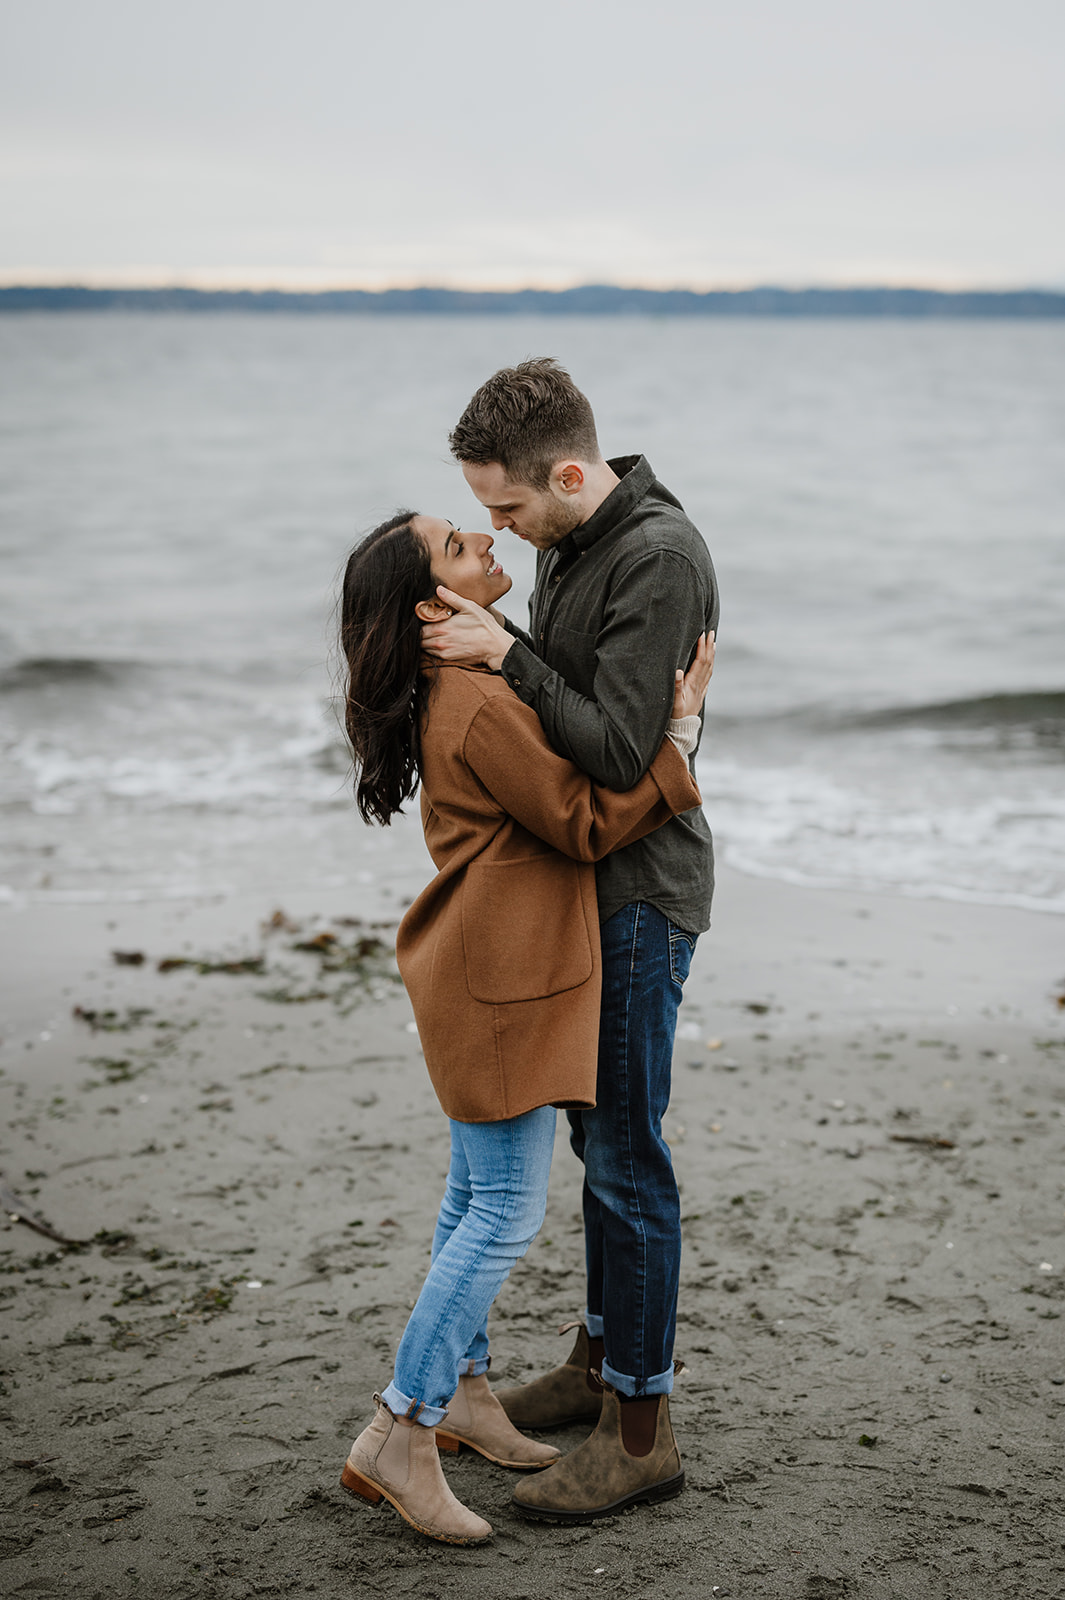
[500,953]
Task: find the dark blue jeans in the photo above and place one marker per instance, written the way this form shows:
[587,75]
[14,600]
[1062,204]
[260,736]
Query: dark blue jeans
[631,1204]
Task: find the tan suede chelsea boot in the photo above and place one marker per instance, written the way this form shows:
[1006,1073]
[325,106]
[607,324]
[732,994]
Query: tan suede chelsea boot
[397,1460]
[475,1418]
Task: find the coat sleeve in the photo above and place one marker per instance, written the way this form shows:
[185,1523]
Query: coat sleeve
[508,751]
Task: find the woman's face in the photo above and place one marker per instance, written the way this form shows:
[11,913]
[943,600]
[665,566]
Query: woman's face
[463,561]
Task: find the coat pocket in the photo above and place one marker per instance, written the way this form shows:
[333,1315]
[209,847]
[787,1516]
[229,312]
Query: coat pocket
[524,929]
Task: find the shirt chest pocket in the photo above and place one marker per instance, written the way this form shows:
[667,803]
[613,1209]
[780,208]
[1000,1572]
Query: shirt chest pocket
[570,652]
[525,931]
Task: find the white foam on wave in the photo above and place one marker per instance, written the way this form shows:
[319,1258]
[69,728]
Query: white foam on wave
[863,818]
[804,828]
[754,867]
[116,894]
[238,776]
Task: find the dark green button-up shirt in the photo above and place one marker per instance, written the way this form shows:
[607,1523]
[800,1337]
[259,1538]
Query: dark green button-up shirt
[617,607]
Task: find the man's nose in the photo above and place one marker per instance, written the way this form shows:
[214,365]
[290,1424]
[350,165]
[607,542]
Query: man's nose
[500,521]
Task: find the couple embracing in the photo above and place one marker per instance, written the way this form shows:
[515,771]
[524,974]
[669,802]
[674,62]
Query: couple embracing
[545,961]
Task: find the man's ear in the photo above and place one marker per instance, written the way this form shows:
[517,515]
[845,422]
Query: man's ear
[567,478]
[432,611]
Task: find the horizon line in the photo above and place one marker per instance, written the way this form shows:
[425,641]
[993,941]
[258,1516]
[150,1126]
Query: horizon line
[217,283]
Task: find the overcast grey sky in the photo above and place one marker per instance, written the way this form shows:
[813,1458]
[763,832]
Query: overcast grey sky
[481,142]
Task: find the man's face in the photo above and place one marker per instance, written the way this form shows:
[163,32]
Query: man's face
[539,516]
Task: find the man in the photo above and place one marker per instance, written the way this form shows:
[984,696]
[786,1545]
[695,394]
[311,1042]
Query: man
[624,588]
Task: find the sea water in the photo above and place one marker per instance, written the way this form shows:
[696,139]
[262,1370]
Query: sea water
[884,501]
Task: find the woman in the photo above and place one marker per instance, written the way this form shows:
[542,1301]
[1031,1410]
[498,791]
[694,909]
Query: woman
[500,956]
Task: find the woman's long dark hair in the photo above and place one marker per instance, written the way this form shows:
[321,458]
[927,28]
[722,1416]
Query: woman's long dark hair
[386,575]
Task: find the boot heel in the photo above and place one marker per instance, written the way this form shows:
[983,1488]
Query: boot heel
[447,1441]
[356,1484]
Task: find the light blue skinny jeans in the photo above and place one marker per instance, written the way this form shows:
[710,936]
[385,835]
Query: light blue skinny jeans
[493,1205]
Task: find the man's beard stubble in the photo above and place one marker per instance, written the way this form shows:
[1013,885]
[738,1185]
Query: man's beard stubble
[555,522]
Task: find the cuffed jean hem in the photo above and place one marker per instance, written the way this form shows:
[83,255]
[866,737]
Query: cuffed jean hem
[594,1325]
[401,1405]
[662,1384]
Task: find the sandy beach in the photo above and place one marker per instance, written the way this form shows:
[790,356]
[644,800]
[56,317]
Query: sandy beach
[867,1127]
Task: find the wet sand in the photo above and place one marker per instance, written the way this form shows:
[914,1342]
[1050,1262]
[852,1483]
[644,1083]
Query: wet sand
[867,1125]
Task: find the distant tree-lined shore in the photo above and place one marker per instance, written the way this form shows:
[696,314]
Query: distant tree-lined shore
[590,300]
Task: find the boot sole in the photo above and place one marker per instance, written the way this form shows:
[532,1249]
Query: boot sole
[666,1490]
[367,1490]
[452,1442]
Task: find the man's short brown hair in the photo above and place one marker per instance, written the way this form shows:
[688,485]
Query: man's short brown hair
[527,418]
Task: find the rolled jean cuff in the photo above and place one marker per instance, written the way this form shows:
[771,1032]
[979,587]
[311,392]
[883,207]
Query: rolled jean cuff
[475,1367]
[401,1405]
[594,1325]
[662,1384]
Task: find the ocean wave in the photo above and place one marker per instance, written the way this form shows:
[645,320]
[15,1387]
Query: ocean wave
[117,894]
[1038,714]
[805,827]
[219,680]
[300,771]
[42,672]
[754,867]
[854,811]
[1028,708]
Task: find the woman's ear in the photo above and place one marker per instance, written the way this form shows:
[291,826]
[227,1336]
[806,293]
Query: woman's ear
[432,611]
